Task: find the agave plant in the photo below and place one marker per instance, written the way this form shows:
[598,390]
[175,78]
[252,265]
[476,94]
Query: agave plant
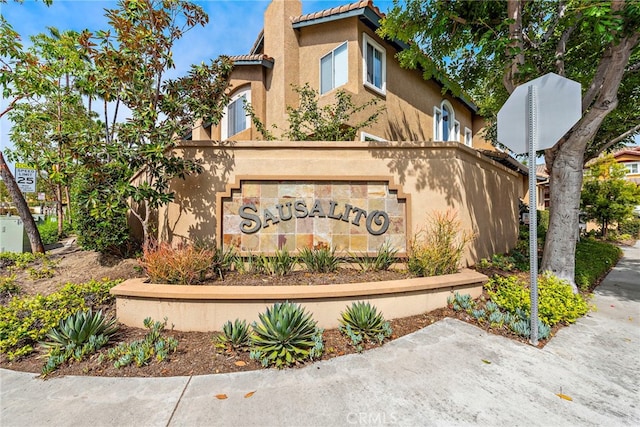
[82,333]
[361,322]
[285,335]
[79,327]
[236,335]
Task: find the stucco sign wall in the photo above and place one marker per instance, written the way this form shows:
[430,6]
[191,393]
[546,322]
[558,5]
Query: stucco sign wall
[262,216]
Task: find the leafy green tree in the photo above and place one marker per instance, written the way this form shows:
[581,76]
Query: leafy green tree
[490,47]
[51,131]
[607,196]
[310,122]
[19,79]
[135,55]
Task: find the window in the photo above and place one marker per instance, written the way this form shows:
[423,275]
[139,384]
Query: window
[632,168]
[235,118]
[334,68]
[468,137]
[374,65]
[368,137]
[445,125]
[437,124]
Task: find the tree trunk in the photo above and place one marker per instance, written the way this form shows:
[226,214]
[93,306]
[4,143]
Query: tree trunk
[59,210]
[565,183]
[566,160]
[21,205]
[67,193]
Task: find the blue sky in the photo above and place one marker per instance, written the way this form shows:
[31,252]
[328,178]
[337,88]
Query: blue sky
[232,29]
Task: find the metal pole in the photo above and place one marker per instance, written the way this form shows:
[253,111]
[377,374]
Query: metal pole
[533,217]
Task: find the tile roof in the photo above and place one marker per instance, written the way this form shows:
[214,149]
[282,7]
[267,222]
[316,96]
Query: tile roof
[336,11]
[541,170]
[251,58]
[633,151]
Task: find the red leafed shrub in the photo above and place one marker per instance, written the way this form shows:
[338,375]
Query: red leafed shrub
[181,265]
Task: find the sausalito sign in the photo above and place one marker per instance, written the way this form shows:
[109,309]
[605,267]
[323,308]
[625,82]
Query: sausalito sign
[356,216]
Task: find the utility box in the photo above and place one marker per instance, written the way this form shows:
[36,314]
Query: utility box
[13,237]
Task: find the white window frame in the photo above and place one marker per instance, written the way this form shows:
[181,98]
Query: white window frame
[366,39]
[224,125]
[437,123]
[468,137]
[454,127]
[334,84]
[629,166]
[364,136]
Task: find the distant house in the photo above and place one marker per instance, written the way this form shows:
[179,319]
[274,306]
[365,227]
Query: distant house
[630,158]
[334,49]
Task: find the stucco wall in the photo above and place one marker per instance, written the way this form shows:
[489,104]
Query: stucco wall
[435,176]
[407,104]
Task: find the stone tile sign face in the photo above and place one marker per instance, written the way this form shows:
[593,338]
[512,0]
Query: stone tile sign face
[356,216]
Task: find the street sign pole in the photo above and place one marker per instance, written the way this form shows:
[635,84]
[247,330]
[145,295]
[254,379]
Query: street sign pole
[524,129]
[532,135]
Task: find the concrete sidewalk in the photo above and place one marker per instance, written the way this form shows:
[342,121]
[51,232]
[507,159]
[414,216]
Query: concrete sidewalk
[436,376]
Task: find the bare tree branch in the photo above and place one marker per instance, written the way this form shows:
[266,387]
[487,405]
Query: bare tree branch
[561,49]
[614,141]
[562,8]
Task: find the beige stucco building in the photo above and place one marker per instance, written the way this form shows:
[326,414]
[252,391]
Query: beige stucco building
[424,154]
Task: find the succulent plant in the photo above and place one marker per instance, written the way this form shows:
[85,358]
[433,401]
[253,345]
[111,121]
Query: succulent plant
[235,335]
[491,306]
[81,333]
[363,320]
[78,328]
[496,318]
[523,328]
[478,314]
[461,302]
[285,335]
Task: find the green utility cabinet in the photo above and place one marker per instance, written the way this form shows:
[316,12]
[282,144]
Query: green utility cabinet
[13,237]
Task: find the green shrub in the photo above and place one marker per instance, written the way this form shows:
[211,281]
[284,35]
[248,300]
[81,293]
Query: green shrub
[184,265]
[285,335]
[80,334]
[26,321]
[99,209]
[438,248]
[320,259]
[508,293]
[384,259]
[594,259]
[250,264]
[543,224]
[8,287]
[142,352]
[362,322]
[631,227]
[281,264]
[556,301]
[235,335]
[48,230]
[19,261]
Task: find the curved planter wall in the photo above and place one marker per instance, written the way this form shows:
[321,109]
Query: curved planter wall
[207,308]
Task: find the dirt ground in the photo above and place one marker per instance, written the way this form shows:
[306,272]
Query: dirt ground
[196,353]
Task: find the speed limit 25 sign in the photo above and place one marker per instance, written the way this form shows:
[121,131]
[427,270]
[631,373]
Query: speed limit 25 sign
[26,178]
